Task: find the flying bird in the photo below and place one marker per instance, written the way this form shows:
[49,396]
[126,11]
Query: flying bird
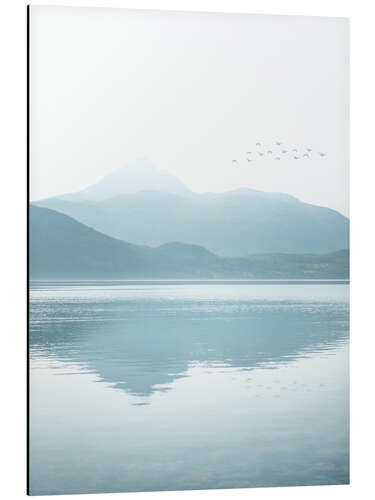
[297,153]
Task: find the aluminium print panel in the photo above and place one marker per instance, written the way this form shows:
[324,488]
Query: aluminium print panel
[188,251]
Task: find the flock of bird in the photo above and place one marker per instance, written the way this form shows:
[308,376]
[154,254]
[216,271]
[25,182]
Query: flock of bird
[279,151]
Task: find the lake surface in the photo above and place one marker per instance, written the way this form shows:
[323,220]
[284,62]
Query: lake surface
[138,386]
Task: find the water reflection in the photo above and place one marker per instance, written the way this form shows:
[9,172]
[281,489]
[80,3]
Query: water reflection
[141,338]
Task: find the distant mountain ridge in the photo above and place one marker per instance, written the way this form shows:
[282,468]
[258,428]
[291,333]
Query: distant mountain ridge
[148,206]
[138,175]
[229,224]
[62,248]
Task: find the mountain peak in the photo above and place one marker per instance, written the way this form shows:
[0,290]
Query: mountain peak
[137,175]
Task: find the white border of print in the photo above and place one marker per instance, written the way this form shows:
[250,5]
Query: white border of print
[13,246]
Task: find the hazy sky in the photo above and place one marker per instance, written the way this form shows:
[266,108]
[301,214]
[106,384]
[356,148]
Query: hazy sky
[189,91]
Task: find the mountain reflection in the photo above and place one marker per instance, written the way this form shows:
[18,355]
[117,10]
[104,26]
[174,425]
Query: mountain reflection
[141,346]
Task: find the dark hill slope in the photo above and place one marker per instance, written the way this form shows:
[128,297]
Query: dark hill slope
[62,248]
[236,223]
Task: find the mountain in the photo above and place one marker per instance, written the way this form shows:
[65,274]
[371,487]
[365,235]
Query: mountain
[138,175]
[62,248]
[235,223]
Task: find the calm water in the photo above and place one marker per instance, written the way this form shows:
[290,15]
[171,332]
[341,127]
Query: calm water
[166,386]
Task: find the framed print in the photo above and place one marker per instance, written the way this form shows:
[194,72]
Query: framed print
[188,250]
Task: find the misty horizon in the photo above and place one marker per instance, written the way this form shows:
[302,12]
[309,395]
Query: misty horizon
[147,164]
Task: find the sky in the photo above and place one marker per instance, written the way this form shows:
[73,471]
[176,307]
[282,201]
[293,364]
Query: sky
[190,92]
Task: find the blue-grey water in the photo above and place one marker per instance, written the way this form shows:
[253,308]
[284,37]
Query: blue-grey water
[138,386]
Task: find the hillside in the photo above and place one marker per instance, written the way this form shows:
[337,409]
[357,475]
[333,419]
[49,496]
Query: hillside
[235,223]
[62,248]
